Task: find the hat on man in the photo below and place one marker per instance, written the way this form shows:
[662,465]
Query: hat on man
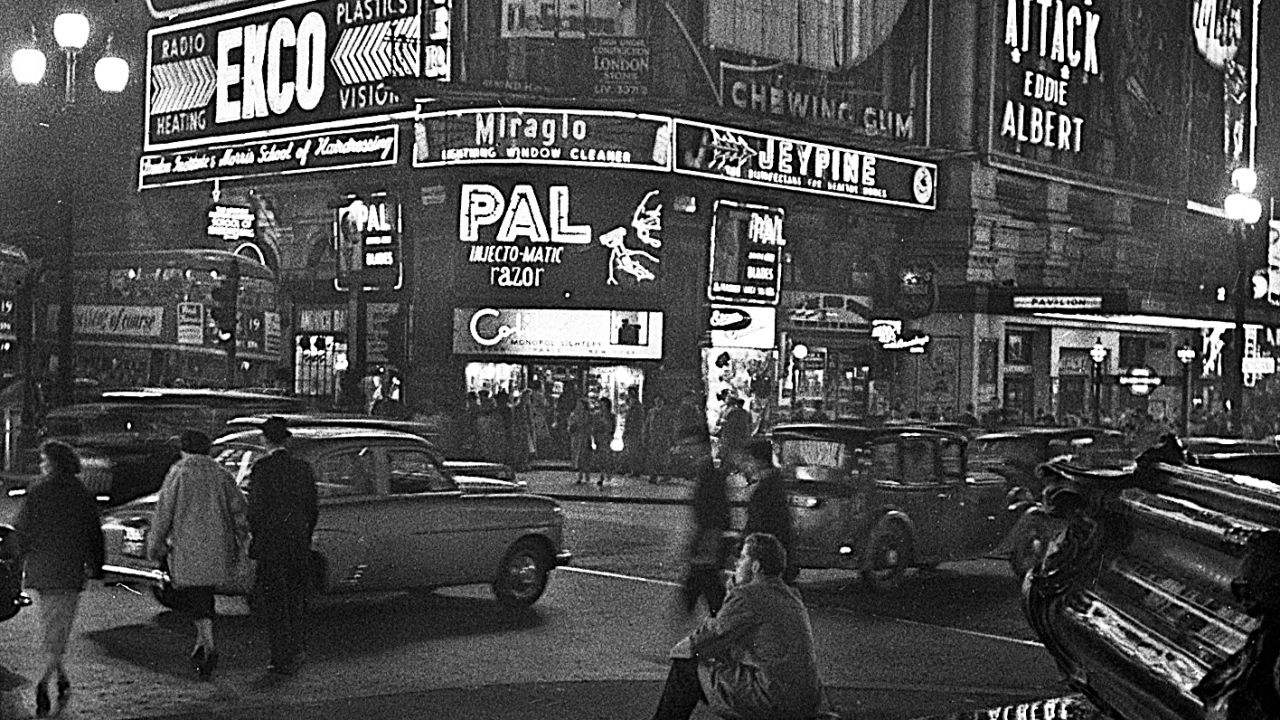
[194,442]
[276,430]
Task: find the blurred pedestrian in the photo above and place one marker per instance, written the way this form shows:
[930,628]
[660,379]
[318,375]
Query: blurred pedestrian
[581,442]
[633,434]
[707,549]
[282,516]
[521,431]
[755,659]
[539,418]
[60,540]
[660,429]
[768,510]
[201,523]
[734,430]
[603,425]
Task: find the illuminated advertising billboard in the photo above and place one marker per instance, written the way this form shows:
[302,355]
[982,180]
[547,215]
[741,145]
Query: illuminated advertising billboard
[558,332]
[534,239]
[288,67]
[1149,94]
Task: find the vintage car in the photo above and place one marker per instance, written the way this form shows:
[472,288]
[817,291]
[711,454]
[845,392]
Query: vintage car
[883,499]
[471,475]
[12,599]
[127,438]
[1161,600]
[391,517]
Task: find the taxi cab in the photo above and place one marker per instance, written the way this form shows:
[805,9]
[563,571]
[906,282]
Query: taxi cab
[883,499]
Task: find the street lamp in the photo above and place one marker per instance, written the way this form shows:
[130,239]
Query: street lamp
[1098,354]
[799,352]
[111,73]
[1243,210]
[1186,354]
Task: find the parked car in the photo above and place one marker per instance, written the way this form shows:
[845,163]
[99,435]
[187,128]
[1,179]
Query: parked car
[1198,446]
[391,517]
[127,438]
[471,475]
[883,499]
[1017,453]
[12,599]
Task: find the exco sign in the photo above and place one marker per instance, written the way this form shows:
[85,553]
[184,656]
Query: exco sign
[291,65]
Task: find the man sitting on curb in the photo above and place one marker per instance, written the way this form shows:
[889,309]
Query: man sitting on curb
[753,660]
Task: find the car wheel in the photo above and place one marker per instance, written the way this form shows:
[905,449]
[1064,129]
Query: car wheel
[887,558]
[522,577]
[1028,544]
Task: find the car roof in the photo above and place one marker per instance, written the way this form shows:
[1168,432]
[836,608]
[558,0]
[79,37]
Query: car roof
[319,433]
[850,432]
[201,396]
[1049,433]
[297,420]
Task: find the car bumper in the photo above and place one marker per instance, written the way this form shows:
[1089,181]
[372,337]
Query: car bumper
[124,572]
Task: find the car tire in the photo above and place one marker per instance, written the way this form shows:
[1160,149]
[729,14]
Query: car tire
[522,576]
[888,555]
[1028,543]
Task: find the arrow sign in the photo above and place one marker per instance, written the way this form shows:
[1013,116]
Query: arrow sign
[183,85]
[372,53]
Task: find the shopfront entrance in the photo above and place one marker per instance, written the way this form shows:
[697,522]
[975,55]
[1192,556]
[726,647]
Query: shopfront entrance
[550,390]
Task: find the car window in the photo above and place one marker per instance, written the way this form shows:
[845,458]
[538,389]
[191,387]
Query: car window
[991,453]
[812,453]
[347,472]
[919,461]
[414,471]
[951,454]
[238,460]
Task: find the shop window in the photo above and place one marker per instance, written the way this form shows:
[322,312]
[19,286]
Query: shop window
[824,34]
[1018,346]
[558,19]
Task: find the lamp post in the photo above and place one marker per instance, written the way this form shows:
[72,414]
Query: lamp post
[1186,354]
[1098,354]
[799,352]
[1243,210]
[111,73]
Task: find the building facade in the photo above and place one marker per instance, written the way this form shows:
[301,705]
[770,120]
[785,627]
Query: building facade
[879,205]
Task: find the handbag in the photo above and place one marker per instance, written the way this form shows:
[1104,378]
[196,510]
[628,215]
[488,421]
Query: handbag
[239,573]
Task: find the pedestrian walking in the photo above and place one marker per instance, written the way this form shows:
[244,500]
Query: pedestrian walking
[768,510]
[60,540]
[200,527]
[633,434]
[755,659]
[734,430]
[581,443]
[660,428]
[706,551]
[282,516]
[603,424]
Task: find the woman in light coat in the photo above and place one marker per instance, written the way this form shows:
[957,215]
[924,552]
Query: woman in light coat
[201,524]
[60,540]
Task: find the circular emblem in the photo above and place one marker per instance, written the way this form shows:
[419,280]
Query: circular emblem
[922,185]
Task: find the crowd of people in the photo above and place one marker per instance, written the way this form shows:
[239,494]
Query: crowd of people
[752,656]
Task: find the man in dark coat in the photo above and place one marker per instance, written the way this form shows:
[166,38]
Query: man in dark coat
[768,510]
[755,659]
[735,430]
[282,515]
[706,550]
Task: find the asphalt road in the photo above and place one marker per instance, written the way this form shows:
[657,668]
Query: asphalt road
[594,647]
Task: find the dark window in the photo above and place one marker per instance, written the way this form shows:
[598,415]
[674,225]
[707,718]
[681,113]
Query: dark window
[349,472]
[1018,347]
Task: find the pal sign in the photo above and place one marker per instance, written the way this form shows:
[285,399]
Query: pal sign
[289,66]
